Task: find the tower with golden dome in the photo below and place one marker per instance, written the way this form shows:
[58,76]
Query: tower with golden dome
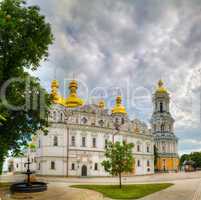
[162,124]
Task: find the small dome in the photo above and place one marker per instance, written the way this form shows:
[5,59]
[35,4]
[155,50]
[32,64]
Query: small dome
[119,108]
[101,104]
[161,88]
[72,100]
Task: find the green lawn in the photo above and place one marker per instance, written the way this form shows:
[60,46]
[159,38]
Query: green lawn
[127,191]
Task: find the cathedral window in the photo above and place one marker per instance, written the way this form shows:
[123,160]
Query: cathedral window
[154,127]
[73,166]
[106,143]
[94,142]
[61,116]
[55,142]
[84,120]
[162,128]
[138,163]
[83,141]
[161,107]
[39,143]
[52,165]
[54,116]
[148,148]
[17,165]
[96,166]
[73,141]
[148,163]
[101,123]
[138,148]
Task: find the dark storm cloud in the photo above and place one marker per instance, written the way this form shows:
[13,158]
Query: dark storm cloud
[106,43]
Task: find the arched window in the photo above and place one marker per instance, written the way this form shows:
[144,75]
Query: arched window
[52,165]
[148,163]
[101,123]
[161,107]
[61,116]
[54,115]
[148,148]
[73,166]
[55,142]
[84,120]
[96,166]
[138,148]
[162,128]
[138,163]
[73,140]
[154,127]
[94,142]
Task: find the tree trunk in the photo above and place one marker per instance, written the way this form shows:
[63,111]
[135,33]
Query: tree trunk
[120,180]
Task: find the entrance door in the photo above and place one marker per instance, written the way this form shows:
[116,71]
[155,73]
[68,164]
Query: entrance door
[84,170]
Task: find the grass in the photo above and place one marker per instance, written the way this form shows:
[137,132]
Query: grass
[127,191]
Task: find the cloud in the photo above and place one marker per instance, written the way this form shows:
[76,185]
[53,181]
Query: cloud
[113,43]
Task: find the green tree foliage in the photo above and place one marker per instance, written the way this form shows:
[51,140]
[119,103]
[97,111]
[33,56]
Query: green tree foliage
[119,159]
[24,40]
[194,156]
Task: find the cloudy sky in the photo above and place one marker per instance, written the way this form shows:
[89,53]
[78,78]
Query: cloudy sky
[130,45]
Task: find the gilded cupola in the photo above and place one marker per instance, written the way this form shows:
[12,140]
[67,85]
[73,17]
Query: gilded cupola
[161,88]
[101,104]
[54,92]
[73,101]
[119,108]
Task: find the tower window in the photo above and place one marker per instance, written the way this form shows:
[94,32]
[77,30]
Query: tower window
[138,148]
[138,163]
[54,116]
[73,141]
[83,141]
[148,148]
[94,142]
[96,166]
[55,142]
[61,116]
[161,107]
[162,128]
[122,120]
[106,143]
[73,166]
[84,120]
[148,163]
[52,165]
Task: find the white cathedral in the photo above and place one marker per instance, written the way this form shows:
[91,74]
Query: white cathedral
[79,133]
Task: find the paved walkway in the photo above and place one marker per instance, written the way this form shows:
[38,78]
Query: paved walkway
[186,187]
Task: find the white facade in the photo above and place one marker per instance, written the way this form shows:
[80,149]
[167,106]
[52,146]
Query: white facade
[75,144]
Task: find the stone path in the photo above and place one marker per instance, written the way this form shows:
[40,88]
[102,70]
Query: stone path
[186,188]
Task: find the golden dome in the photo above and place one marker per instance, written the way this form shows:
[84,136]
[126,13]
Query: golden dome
[161,88]
[72,101]
[101,104]
[54,92]
[119,108]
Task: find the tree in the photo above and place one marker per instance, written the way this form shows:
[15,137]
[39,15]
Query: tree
[24,41]
[119,159]
[184,157]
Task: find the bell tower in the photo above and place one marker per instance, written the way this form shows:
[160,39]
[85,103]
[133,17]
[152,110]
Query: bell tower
[162,124]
